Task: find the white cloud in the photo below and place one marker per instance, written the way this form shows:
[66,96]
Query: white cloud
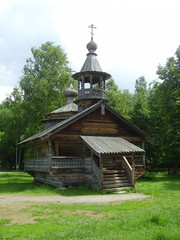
[6,76]
[133,37]
[4,92]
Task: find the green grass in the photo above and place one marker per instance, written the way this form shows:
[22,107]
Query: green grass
[154,218]
[22,183]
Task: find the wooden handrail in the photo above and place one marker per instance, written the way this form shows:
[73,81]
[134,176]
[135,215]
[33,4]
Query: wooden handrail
[127,163]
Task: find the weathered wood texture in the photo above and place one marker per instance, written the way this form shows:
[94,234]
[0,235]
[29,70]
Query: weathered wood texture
[61,162]
[70,163]
[37,164]
[41,149]
[61,177]
[97,124]
[67,147]
[93,175]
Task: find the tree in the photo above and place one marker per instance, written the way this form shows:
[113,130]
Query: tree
[40,91]
[140,110]
[44,80]
[117,99]
[168,107]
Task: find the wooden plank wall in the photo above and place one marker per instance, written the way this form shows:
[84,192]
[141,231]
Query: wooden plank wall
[96,123]
[37,164]
[61,177]
[41,149]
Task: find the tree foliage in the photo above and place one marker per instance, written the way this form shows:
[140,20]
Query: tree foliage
[45,77]
[118,99]
[164,102]
[140,110]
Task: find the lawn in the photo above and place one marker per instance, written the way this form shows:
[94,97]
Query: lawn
[154,218]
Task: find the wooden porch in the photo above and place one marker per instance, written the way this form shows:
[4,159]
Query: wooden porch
[107,173]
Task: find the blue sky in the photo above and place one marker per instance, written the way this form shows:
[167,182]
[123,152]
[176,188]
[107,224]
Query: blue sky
[133,37]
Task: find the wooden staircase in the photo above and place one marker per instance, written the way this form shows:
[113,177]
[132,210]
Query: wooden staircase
[114,180]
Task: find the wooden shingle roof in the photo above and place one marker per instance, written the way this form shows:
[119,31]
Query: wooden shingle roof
[71,107]
[110,145]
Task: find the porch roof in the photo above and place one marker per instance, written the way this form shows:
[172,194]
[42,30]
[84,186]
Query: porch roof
[110,145]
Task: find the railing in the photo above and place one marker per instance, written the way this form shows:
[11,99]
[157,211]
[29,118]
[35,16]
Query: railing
[91,93]
[96,172]
[127,164]
[67,162]
[129,170]
[41,164]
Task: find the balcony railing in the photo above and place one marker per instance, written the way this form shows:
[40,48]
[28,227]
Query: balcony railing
[41,164]
[92,93]
[67,162]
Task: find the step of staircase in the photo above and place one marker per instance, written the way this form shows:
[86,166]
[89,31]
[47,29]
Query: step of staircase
[109,171]
[114,179]
[115,182]
[115,189]
[108,178]
[116,185]
[114,175]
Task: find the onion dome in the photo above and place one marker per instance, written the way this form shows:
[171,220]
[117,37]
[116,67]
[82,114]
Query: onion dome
[91,46]
[71,91]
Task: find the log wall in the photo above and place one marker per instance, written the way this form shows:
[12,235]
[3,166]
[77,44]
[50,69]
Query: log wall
[67,142]
[97,124]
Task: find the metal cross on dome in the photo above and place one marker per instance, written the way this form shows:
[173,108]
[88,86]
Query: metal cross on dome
[92,27]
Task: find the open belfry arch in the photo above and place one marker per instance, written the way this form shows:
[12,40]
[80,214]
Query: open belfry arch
[86,142]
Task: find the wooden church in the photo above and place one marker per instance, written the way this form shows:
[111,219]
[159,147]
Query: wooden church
[86,142]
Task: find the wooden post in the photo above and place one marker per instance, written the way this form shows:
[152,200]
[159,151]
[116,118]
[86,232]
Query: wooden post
[144,160]
[101,82]
[56,148]
[104,85]
[16,153]
[91,81]
[82,82]
[78,85]
[50,153]
[101,170]
[35,155]
[19,158]
[133,170]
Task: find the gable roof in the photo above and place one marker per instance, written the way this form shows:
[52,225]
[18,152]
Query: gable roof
[72,119]
[110,145]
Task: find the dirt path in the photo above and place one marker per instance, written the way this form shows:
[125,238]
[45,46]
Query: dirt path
[16,199]
[13,207]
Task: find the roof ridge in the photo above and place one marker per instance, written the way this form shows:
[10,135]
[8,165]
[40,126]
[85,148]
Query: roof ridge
[57,126]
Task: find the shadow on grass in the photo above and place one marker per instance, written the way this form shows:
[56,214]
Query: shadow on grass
[15,187]
[11,183]
[173,185]
[36,188]
[169,182]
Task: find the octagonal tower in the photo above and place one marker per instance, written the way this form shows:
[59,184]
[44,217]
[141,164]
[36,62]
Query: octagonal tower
[91,79]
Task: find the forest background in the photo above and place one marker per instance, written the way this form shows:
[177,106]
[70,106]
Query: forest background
[154,108]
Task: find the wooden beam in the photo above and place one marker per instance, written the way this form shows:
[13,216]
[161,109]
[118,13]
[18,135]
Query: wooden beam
[133,170]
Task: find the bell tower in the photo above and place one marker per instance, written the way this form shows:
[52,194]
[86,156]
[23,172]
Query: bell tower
[91,79]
